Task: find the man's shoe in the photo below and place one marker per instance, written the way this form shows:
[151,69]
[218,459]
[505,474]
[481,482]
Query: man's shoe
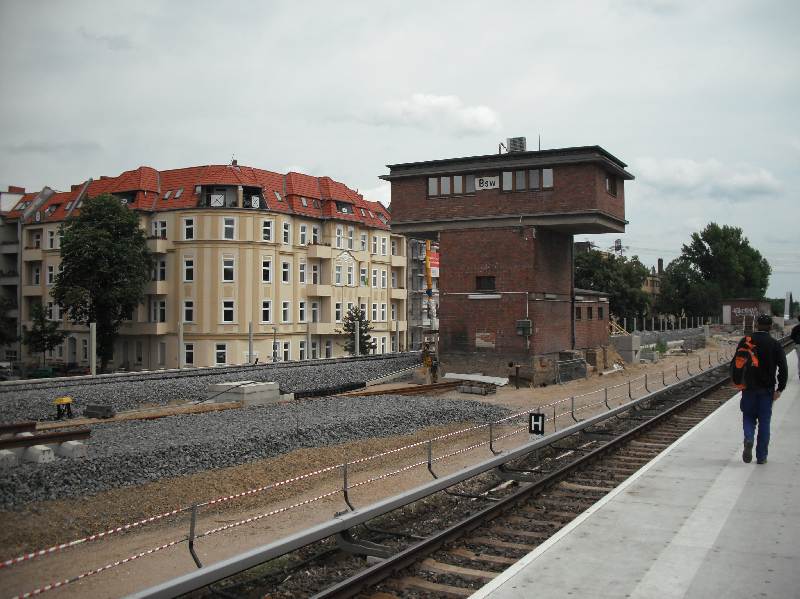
[764,461]
[747,454]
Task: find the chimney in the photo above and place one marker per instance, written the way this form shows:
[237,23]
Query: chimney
[15,189]
[234,162]
[661,266]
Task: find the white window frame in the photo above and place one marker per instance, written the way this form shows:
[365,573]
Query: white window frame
[188,229]
[337,274]
[287,233]
[375,278]
[383,312]
[233,269]
[188,269]
[350,237]
[286,272]
[286,312]
[383,245]
[266,269]
[50,276]
[301,311]
[267,230]
[220,347]
[229,227]
[188,354]
[224,308]
[364,241]
[337,312]
[188,309]
[303,235]
[301,273]
[374,245]
[383,278]
[339,236]
[350,275]
[374,312]
[266,305]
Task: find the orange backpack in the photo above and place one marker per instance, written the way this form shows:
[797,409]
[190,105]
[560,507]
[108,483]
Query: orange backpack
[744,359]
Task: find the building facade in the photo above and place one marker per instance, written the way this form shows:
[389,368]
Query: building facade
[505,225]
[423,309]
[240,254]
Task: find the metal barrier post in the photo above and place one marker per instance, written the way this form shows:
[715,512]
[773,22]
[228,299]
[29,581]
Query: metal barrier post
[676,373]
[646,388]
[606,398]
[491,439]
[191,536]
[572,407]
[630,396]
[345,487]
[430,459]
[664,378]
[555,428]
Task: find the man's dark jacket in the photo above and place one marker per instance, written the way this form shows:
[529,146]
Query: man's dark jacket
[770,358]
[796,334]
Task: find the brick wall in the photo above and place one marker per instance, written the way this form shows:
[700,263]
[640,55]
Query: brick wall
[591,332]
[576,188]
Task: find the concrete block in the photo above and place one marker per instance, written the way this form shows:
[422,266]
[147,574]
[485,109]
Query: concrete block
[20,451]
[8,459]
[39,454]
[72,449]
[250,393]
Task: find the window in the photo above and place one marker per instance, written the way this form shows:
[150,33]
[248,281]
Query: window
[35,275]
[301,273]
[287,233]
[363,308]
[344,208]
[351,232]
[458,184]
[383,246]
[383,278]
[302,347]
[36,240]
[228,228]
[433,186]
[611,184]
[188,228]
[158,311]
[350,275]
[444,186]
[188,353]
[484,283]
[304,201]
[374,312]
[227,310]
[547,178]
[266,310]
[577,312]
[314,350]
[508,181]
[301,311]
[286,274]
[315,274]
[188,311]
[394,311]
[220,354]
[85,349]
[227,269]
[166,195]
[51,240]
[314,234]
[178,193]
[285,312]
[519,180]
[266,230]
[338,312]
[339,236]
[278,196]
[328,348]
[162,353]
[533,179]
[374,244]
[188,270]
[303,234]
[395,251]
[394,279]
[363,241]
[383,312]
[589,314]
[599,312]
[266,270]
[51,273]
[363,276]
[160,229]
[139,352]
[383,345]
[470,183]
[287,351]
[337,276]
[160,272]
[375,277]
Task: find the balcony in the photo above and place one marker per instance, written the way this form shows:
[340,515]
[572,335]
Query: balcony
[158,245]
[9,278]
[157,288]
[9,247]
[323,328]
[398,261]
[144,328]
[389,327]
[399,293]
[31,290]
[320,251]
[32,254]
[318,290]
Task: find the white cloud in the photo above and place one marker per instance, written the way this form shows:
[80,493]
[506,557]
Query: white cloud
[734,182]
[447,113]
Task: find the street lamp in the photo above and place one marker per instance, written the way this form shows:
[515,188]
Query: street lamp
[274,344]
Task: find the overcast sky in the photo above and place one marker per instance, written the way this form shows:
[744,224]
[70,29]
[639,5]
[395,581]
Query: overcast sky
[701,99]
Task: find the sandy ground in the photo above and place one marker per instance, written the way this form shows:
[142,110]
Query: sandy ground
[46,523]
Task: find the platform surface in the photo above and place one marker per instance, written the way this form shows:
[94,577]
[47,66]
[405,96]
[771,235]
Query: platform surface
[696,522]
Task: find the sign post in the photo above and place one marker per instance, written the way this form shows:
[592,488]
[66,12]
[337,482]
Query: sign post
[536,423]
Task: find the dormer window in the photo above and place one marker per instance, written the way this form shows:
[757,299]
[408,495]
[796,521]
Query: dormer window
[278,196]
[611,184]
[304,201]
[317,204]
[178,193]
[344,208]
[167,194]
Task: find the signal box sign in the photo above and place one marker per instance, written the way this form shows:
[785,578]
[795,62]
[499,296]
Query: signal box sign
[484,183]
[536,424]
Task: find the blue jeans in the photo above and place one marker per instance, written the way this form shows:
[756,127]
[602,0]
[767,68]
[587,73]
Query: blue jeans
[756,407]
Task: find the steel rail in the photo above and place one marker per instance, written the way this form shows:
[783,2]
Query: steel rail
[210,574]
[407,557]
[45,438]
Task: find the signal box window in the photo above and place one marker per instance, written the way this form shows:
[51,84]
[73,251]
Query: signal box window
[484,283]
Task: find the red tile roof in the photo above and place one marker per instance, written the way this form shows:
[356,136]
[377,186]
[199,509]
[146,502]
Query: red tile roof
[150,190]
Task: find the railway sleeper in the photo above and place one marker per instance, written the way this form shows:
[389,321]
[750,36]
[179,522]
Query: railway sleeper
[499,544]
[515,532]
[437,567]
[571,486]
[415,583]
[497,560]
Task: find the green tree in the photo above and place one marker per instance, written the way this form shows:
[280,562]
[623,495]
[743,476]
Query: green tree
[779,304]
[365,344]
[8,325]
[105,267]
[44,334]
[718,263]
[618,276]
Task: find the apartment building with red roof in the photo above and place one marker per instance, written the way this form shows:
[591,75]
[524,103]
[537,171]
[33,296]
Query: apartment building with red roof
[235,248]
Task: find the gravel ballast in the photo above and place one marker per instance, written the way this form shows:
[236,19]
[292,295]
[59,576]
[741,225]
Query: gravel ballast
[135,452]
[33,400]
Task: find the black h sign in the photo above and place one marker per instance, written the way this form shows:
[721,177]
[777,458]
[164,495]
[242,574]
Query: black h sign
[536,424]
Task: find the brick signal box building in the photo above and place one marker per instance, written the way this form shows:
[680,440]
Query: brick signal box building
[505,225]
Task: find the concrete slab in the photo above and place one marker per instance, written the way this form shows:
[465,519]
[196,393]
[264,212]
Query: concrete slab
[695,523]
[495,380]
[72,449]
[8,459]
[250,393]
[38,454]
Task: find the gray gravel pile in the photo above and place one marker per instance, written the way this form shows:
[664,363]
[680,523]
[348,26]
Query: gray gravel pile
[136,452]
[650,337]
[134,391]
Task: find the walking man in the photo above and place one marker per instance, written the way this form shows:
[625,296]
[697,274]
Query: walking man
[759,390]
[796,338]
